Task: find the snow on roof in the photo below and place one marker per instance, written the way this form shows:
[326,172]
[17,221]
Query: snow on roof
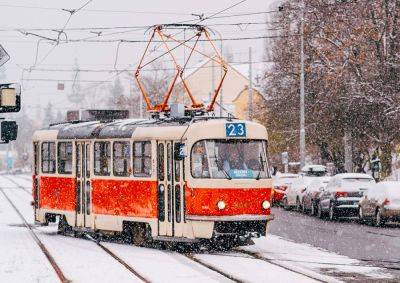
[353,175]
[314,167]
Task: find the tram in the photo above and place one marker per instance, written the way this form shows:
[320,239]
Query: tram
[171,179]
[183,175]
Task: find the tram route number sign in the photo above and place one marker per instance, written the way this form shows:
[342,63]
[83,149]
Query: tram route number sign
[235,130]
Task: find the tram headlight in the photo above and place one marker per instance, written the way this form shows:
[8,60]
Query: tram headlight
[221,205]
[266,204]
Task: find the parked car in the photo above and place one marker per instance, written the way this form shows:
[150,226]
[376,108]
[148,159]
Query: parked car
[381,203]
[280,183]
[294,193]
[311,195]
[341,196]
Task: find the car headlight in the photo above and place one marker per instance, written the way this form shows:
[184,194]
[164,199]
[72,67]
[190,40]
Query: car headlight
[266,204]
[221,205]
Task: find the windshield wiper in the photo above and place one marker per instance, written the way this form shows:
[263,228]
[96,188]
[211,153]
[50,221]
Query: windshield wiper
[260,168]
[222,168]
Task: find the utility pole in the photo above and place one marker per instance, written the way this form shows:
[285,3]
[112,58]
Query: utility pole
[302,106]
[250,90]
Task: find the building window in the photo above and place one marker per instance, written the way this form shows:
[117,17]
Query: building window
[122,158]
[142,159]
[65,157]
[48,157]
[102,158]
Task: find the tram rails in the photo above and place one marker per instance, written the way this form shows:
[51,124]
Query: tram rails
[129,262]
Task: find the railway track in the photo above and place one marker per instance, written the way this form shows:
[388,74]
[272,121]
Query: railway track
[47,253]
[192,257]
[42,247]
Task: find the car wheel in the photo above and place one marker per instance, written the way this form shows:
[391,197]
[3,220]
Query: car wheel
[303,208]
[313,210]
[298,205]
[332,214]
[361,215]
[320,213]
[379,221]
[285,204]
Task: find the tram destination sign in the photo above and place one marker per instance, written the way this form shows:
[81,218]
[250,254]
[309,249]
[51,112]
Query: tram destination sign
[235,130]
[4,57]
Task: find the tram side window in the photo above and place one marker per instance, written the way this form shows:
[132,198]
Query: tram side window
[122,157]
[48,157]
[142,159]
[102,158]
[65,157]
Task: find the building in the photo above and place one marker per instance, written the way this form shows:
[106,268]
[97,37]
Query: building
[203,78]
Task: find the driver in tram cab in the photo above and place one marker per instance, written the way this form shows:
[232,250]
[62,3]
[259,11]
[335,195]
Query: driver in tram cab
[232,157]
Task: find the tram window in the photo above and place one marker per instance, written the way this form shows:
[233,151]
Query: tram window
[169,204]
[65,157]
[160,161]
[142,159]
[36,157]
[169,169]
[78,160]
[178,203]
[102,158]
[48,157]
[87,161]
[161,202]
[230,159]
[121,159]
[177,170]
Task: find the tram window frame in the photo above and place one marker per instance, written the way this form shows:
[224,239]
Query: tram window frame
[102,157]
[143,157]
[64,157]
[124,156]
[49,157]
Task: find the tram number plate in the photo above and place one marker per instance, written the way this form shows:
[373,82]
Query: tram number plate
[235,129]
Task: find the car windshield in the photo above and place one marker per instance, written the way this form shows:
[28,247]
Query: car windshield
[230,159]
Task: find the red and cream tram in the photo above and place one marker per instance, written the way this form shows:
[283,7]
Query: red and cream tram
[169,179]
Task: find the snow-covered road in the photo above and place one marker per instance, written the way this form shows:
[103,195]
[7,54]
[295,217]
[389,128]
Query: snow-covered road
[82,260]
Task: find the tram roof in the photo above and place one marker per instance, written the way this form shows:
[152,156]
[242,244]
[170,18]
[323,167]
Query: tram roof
[123,128]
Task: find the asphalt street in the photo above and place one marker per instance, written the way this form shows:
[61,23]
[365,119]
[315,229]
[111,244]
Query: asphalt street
[378,246]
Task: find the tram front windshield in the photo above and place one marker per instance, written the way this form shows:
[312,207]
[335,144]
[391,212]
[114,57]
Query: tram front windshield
[230,159]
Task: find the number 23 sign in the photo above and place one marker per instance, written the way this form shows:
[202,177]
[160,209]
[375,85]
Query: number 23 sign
[235,129]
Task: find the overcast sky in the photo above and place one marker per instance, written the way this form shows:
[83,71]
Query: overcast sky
[27,15]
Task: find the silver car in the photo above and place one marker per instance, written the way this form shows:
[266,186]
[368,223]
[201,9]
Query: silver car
[381,203]
[312,193]
[342,195]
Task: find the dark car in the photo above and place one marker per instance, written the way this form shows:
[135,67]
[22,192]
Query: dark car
[341,196]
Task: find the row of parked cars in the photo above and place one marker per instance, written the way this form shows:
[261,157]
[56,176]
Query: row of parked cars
[343,195]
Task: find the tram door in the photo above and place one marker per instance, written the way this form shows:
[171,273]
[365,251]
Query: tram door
[36,184]
[170,191]
[83,185]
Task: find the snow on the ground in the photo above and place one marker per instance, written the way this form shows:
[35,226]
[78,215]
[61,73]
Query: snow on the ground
[252,270]
[295,254]
[164,266]
[80,260]
[83,261]
[21,259]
